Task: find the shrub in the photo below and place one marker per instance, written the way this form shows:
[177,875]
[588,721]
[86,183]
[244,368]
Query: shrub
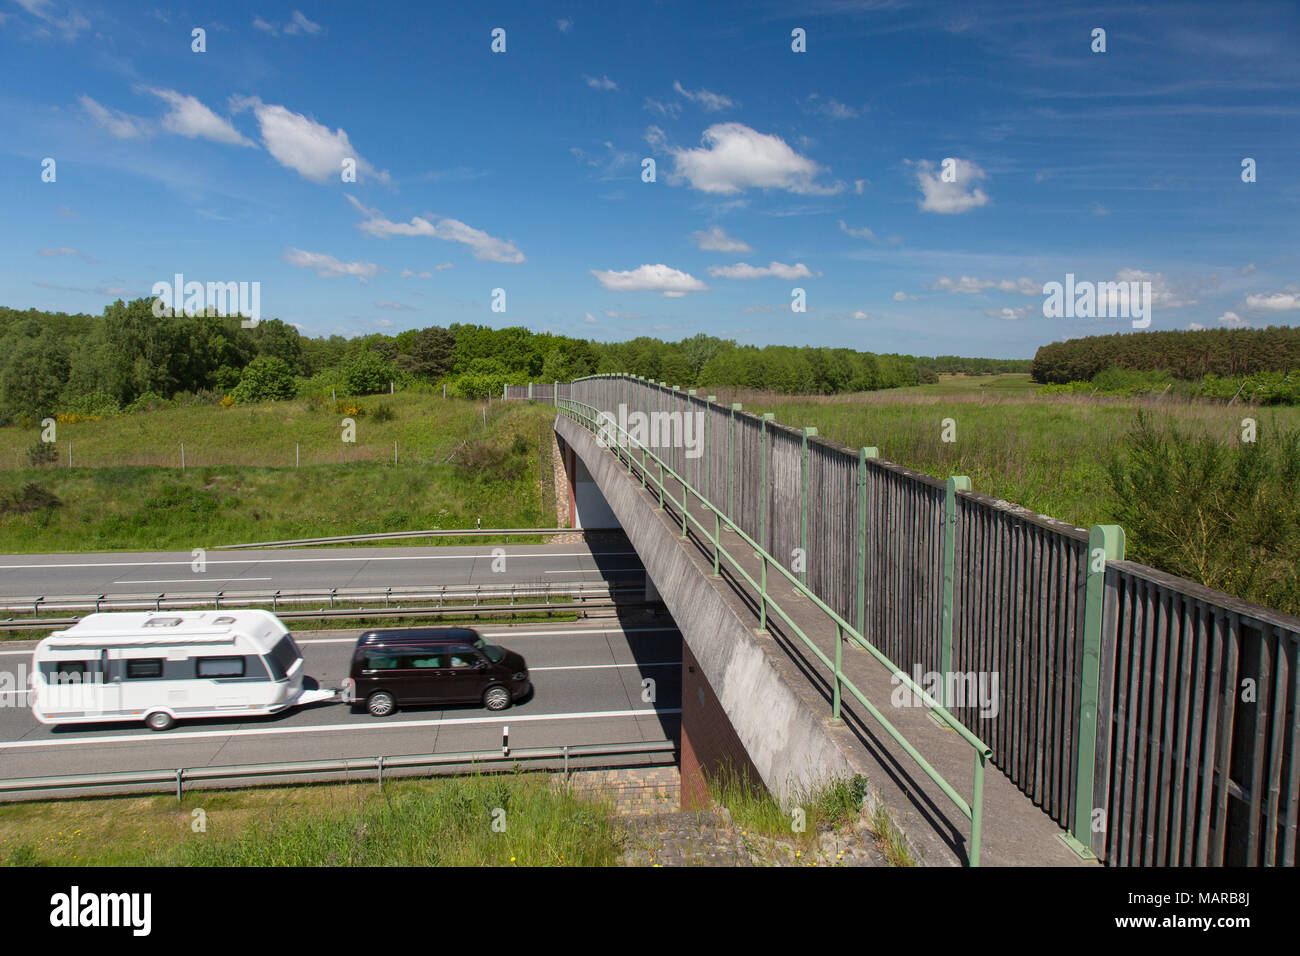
[42,453]
[265,379]
[368,374]
[384,413]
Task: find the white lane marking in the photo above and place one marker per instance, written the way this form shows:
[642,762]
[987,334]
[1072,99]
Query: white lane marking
[153,737]
[599,667]
[202,580]
[396,557]
[352,640]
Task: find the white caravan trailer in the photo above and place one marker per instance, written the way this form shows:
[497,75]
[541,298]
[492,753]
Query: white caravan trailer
[160,667]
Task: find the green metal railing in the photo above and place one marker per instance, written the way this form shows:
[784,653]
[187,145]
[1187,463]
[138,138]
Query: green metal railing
[623,447]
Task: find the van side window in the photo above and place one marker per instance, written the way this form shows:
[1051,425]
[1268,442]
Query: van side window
[144,669]
[69,671]
[463,657]
[380,662]
[420,659]
[221,667]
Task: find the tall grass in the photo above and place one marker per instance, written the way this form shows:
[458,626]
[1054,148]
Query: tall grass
[517,819]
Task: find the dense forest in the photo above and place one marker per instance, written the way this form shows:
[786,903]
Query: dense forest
[1188,356]
[55,363]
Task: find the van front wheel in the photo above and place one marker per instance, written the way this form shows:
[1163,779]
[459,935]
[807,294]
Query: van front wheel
[381,704]
[497,698]
[160,720]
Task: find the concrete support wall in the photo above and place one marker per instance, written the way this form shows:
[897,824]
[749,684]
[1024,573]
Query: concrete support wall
[710,745]
[787,738]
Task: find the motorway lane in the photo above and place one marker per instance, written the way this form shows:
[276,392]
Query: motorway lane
[587,690]
[302,568]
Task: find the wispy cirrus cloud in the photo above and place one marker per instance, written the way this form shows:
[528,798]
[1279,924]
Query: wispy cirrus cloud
[330,267]
[484,246]
[779,270]
[714,239]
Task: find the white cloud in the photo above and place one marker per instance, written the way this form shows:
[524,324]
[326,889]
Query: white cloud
[394,306]
[1246,270]
[189,117]
[119,125]
[713,102]
[302,144]
[65,251]
[968,285]
[485,247]
[1162,294]
[1009,314]
[412,274]
[604,83]
[1274,302]
[961,195]
[901,296]
[301,25]
[715,240]
[564,25]
[1099,210]
[68,25]
[329,267]
[736,158]
[663,109]
[829,107]
[298,25]
[590,319]
[672,283]
[862,233]
[742,270]
[1232,320]
[859,185]
[1195,327]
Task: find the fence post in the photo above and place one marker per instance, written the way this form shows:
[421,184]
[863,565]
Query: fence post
[555,394]
[1105,543]
[708,448]
[955,483]
[762,479]
[731,467]
[863,455]
[703,459]
[803,511]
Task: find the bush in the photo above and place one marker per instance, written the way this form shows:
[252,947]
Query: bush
[42,453]
[265,379]
[384,413]
[32,498]
[368,374]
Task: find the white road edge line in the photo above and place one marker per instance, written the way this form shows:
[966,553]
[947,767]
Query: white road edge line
[156,738]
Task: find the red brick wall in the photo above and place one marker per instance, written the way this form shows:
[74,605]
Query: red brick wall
[709,742]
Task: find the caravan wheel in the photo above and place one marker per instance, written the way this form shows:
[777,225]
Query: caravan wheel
[160,720]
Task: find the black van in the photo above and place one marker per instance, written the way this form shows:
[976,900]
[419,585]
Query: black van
[433,665]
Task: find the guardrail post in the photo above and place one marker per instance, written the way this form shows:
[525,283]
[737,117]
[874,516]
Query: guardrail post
[717,540]
[955,483]
[731,466]
[839,662]
[762,479]
[708,448]
[379,772]
[762,594]
[1105,543]
[180,774]
[803,511]
[977,809]
[863,455]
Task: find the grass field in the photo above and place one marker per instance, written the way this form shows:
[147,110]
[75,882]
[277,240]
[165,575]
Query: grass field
[126,490]
[446,821]
[1047,453]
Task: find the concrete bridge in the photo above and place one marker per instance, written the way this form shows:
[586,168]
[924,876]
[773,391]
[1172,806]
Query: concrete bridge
[1008,686]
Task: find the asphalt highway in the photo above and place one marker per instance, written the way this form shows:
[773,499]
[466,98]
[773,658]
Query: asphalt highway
[588,689]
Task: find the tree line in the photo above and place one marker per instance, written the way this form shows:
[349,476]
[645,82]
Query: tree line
[128,358]
[1187,355]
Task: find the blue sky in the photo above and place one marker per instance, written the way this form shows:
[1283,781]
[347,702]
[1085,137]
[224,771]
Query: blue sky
[522,170]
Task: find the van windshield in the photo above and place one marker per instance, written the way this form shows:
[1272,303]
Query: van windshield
[494,654]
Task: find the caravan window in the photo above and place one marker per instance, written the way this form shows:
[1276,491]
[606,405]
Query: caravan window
[150,668]
[282,657]
[221,666]
[69,671]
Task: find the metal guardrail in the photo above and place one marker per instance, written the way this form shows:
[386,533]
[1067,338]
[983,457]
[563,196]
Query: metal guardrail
[587,416]
[177,779]
[400,535]
[175,601]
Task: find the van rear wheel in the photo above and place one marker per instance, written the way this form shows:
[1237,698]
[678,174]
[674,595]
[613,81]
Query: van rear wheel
[381,704]
[496,698]
[160,720]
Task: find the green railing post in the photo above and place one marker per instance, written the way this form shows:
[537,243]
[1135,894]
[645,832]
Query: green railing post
[717,540]
[691,406]
[731,467]
[977,809]
[762,594]
[839,662]
[803,512]
[708,448]
[762,479]
[555,394]
[1105,543]
[955,483]
[863,455]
